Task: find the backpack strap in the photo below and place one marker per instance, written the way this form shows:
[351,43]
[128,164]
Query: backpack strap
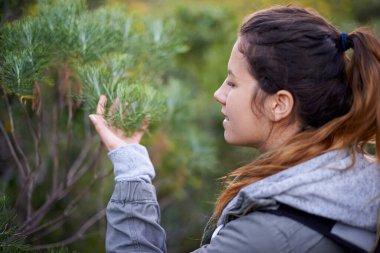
[319,224]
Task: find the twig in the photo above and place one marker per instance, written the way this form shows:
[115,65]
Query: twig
[27,178]
[33,131]
[88,165]
[14,139]
[79,161]
[60,192]
[29,182]
[86,125]
[70,207]
[54,222]
[13,152]
[54,148]
[64,90]
[40,117]
[40,213]
[78,235]
[36,135]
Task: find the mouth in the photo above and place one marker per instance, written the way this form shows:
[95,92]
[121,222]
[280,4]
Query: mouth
[225,116]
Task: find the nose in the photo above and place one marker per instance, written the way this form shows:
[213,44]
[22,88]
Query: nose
[220,95]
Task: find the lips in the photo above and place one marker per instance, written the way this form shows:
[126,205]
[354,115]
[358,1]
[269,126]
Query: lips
[225,116]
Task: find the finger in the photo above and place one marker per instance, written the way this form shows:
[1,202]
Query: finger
[99,122]
[107,134]
[101,127]
[101,105]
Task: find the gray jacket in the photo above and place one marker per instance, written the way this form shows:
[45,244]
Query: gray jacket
[133,213]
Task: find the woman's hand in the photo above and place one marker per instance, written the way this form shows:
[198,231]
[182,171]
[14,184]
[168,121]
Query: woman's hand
[110,136]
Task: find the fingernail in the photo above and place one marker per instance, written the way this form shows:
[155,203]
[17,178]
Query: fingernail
[92,117]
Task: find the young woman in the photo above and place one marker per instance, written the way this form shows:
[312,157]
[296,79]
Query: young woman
[293,92]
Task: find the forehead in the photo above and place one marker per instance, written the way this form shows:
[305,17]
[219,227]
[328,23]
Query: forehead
[237,65]
[236,55]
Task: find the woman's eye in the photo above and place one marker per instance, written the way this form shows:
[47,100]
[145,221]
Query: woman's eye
[230,84]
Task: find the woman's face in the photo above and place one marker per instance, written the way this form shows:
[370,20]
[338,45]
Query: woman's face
[243,124]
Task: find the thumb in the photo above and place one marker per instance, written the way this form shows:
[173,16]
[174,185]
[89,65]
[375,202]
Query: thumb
[95,120]
[100,124]
[108,137]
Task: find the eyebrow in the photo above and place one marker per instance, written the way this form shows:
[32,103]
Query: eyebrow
[230,73]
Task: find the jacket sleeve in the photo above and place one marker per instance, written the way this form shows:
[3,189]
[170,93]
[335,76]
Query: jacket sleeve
[133,214]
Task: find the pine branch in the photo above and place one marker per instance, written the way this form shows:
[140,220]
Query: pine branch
[64,46]
[10,239]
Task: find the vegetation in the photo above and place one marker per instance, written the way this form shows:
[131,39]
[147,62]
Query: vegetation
[160,60]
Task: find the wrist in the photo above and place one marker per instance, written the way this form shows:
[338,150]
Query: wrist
[131,161]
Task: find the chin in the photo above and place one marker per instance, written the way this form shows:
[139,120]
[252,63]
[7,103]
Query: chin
[234,141]
[242,143]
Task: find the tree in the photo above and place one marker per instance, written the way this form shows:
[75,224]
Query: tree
[54,66]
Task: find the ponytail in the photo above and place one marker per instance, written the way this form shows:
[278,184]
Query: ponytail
[357,78]
[363,75]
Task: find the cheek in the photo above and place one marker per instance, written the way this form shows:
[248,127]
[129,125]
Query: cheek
[254,123]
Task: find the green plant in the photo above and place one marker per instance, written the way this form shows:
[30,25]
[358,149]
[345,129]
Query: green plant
[54,65]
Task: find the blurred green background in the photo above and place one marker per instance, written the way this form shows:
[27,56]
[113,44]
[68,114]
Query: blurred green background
[188,148]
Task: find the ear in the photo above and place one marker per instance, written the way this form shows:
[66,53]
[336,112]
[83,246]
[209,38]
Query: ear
[281,105]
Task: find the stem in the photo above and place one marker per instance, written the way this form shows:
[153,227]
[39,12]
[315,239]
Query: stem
[14,139]
[24,198]
[36,135]
[28,187]
[39,112]
[78,235]
[64,89]
[60,192]
[13,152]
[88,165]
[54,148]
[29,195]
[69,209]
[79,161]
[40,213]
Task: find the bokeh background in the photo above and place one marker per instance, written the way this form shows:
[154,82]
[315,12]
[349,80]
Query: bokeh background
[188,148]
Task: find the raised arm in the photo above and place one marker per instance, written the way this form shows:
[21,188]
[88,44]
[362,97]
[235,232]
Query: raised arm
[133,214]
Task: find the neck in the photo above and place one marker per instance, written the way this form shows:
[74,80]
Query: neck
[279,135]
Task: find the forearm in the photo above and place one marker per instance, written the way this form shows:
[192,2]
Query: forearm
[133,214]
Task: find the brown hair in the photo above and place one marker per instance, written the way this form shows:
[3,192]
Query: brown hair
[336,97]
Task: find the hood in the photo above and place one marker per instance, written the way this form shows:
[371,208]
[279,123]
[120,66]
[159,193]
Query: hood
[322,186]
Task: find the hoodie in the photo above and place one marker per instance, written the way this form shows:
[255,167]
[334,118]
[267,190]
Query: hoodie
[329,185]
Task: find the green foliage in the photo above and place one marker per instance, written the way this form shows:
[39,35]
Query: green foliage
[10,239]
[63,51]
[22,57]
[109,51]
[127,57]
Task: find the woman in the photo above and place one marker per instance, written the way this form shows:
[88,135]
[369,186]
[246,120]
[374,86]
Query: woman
[293,93]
